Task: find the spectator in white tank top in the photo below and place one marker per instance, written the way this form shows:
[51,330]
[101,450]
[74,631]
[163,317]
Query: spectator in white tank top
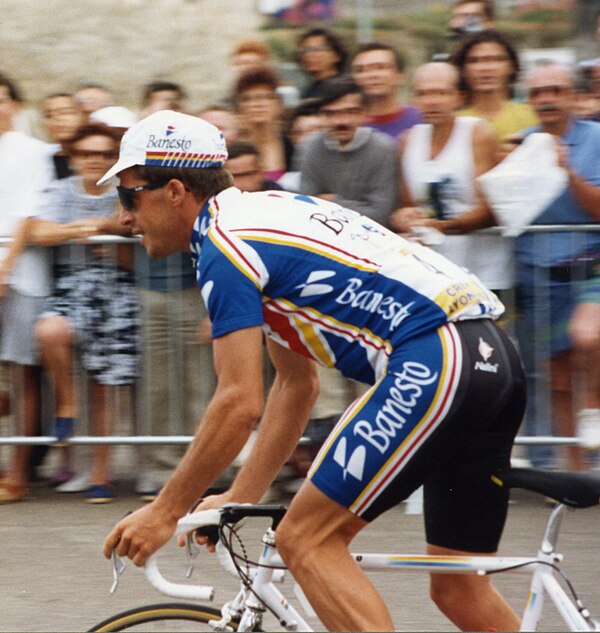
[440,160]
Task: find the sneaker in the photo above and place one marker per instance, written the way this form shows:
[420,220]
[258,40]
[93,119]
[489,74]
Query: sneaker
[78,483]
[62,476]
[100,493]
[588,428]
[146,487]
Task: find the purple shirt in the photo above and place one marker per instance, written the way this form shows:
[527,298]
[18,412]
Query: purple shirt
[397,122]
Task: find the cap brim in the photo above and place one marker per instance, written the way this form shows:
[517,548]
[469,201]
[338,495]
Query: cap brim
[119,166]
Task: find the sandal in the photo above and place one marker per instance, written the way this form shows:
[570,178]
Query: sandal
[9,493]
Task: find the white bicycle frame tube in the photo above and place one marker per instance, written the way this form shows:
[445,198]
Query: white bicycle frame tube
[542,582]
[263,587]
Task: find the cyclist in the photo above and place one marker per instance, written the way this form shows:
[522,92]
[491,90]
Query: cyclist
[328,285]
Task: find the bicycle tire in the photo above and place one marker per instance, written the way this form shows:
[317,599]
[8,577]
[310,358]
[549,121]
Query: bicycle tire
[170,613]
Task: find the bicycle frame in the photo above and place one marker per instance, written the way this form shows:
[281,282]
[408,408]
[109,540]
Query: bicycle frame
[251,602]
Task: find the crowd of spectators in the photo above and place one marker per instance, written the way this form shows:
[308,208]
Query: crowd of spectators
[84,318]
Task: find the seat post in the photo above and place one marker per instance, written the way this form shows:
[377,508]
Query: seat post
[552,529]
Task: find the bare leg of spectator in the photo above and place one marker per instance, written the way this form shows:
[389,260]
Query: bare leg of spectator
[25,380]
[584,330]
[561,381]
[4,390]
[56,339]
[102,404]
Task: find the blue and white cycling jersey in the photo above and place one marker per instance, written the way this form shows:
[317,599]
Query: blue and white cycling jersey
[325,281]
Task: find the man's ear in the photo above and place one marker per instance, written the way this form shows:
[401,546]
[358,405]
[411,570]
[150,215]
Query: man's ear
[176,191]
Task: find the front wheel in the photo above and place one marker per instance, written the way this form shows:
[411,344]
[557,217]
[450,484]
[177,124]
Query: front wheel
[164,617]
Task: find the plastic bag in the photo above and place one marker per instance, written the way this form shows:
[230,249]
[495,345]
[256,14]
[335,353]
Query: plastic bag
[525,183]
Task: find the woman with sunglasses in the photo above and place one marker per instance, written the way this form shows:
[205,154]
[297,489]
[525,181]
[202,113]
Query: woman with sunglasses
[93,309]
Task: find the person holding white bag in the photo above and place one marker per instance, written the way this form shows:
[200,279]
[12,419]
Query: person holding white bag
[557,272]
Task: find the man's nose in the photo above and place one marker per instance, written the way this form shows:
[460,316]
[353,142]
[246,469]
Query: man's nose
[343,118]
[125,217]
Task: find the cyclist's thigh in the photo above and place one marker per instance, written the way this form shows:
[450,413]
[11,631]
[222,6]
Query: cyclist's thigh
[442,392]
[372,458]
[464,509]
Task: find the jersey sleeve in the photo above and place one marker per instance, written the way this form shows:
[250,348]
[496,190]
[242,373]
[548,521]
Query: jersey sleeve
[232,297]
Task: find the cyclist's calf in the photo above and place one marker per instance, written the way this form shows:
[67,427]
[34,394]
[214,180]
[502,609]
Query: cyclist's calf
[472,603]
[313,540]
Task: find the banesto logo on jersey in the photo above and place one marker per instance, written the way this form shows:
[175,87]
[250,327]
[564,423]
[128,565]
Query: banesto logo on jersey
[311,288]
[387,307]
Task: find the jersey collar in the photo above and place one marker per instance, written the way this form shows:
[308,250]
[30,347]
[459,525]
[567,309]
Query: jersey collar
[200,231]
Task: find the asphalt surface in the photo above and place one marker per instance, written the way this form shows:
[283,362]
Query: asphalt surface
[54,578]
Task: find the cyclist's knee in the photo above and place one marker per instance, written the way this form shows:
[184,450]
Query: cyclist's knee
[313,526]
[290,539]
[297,541]
[452,594]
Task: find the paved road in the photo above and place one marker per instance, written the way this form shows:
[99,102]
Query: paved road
[53,577]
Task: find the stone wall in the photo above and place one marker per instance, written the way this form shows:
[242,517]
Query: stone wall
[53,45]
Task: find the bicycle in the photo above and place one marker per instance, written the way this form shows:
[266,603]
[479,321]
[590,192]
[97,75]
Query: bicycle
[258,593]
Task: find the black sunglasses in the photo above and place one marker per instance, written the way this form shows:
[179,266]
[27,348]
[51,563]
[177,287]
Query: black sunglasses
[127,194]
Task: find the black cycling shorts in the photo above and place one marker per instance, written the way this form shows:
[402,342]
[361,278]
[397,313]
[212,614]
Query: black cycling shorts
[444,415]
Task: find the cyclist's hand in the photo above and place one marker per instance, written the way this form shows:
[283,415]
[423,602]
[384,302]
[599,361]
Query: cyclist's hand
[208,503]
[140,534]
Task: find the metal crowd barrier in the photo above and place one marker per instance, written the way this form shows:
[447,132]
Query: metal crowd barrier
[146,436]
[183,440]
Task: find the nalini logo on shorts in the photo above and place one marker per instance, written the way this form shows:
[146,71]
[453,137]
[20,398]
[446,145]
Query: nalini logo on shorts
[486,351]
[355,465]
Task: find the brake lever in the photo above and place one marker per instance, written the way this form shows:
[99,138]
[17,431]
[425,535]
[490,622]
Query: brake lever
[118,568]
[192,552]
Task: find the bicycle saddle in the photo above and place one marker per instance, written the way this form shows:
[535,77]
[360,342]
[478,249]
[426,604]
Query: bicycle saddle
[574,489]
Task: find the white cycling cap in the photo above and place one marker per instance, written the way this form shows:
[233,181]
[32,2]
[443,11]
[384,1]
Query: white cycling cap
[170,139]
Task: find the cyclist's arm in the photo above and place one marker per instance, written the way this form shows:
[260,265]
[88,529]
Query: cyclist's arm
[291,398]
[225,428]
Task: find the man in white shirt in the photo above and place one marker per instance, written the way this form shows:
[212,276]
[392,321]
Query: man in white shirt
[25,172]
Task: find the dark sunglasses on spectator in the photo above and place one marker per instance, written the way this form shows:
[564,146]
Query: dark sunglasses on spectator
[312,49]
[553,90]
[127,194]
[92,153]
